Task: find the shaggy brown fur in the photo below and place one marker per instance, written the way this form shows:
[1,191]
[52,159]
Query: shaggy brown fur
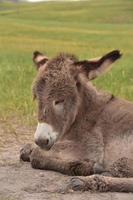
[95,128]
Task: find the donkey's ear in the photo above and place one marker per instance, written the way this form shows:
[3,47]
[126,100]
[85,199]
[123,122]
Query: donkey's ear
[94,67]
[39,59]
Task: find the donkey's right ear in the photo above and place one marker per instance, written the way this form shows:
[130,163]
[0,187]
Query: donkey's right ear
[39,59]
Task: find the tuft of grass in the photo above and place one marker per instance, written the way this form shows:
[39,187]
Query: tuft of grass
[86,28]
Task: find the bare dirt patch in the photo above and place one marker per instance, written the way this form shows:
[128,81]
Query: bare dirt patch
[18,181]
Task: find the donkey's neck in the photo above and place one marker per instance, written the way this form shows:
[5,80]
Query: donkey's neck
[93,99]
[92,105]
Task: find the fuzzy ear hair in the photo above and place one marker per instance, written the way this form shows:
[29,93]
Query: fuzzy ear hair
[94,67]
[39,59]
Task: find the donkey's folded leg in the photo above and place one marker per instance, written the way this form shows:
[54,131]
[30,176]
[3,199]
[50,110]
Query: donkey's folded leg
[101,183]
[43,160]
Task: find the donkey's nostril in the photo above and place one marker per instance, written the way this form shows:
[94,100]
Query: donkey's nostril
[47,141]
[42,142]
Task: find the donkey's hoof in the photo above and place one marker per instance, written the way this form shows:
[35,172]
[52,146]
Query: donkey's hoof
[25,152]
[76,184]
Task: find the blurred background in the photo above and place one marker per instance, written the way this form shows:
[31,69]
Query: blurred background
[85,28]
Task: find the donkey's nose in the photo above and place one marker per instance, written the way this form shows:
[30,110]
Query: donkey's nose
[42,142]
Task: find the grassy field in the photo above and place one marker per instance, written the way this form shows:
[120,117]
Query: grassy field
[87,29]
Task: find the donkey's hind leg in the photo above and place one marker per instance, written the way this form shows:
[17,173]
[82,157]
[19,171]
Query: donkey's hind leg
[123,167]
[100,183]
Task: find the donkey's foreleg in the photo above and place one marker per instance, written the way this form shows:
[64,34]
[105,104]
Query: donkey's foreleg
[101,183]
[47,161]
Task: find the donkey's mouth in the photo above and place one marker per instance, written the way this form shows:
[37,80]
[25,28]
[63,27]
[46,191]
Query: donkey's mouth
[46,147]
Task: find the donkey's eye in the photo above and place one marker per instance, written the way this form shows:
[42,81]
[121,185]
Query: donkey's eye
[58,101]
[58,106]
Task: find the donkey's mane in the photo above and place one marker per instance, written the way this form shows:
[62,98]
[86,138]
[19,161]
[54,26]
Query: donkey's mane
[61,59]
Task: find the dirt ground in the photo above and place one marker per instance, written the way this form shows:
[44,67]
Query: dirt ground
[18,181]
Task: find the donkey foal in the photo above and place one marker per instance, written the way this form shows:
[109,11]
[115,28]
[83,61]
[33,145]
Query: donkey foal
[81,131]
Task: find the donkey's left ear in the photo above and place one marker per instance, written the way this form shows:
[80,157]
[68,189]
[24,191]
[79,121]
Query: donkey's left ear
[39,59]
[94,67]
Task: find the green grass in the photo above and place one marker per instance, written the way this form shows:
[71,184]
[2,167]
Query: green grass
[87,29]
